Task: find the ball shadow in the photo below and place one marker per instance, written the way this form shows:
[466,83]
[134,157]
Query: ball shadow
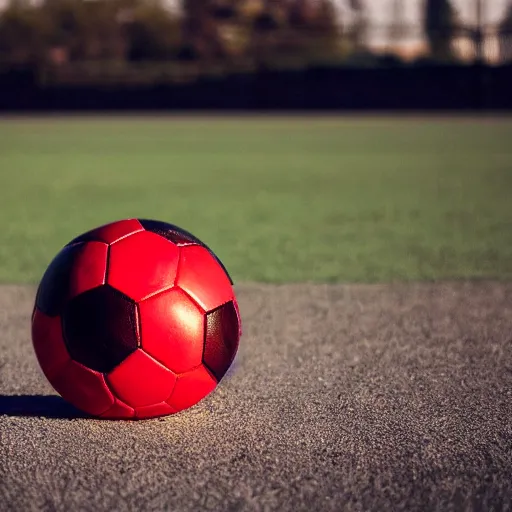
[45,406]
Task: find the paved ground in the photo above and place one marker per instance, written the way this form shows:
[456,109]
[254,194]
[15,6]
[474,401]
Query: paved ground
[341,398]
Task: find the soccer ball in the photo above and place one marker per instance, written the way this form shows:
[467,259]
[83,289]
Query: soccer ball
[135,319]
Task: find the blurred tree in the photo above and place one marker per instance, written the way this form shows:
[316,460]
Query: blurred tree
[299,31]
[78,30]
[398,27]
[152,32]
[249,10]
[320,30]
[67,22]
[267,27]
[505,36]
[212,31]
[21,34]
[259,29]
[82,30]
[506,24]
[440,24]
[358,30]
[200,32]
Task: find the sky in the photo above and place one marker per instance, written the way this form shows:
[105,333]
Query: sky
[381,13]
[381,10]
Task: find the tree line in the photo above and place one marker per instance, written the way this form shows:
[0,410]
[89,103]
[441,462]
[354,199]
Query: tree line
[210,31]
[146,30]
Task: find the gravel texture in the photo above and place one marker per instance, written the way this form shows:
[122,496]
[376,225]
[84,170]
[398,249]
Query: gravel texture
[342,397]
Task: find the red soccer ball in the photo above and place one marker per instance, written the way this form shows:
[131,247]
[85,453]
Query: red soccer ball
[135,319]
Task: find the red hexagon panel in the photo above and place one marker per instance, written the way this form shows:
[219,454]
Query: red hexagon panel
[179,236]
[203,278]
[84,388]
[53,289]
[89,269]
[191,387]
[140,380]
[75,269]
[111,233]
[142,264]
[118,411]
[49,344]
[152,411]
[172,330]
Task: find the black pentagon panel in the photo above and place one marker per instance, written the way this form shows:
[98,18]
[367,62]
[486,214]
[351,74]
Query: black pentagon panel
[88,236]
[101,328]
[221,339]
[85,237]
[54,286]
[179,237]
[171,232]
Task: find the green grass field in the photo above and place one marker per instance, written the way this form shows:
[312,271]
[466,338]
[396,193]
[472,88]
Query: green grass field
[279,199]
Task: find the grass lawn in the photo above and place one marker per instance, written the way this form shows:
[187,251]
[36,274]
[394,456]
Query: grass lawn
[278,199]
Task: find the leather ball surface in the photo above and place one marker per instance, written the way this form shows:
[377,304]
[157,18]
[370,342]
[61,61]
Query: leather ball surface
[135,319]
